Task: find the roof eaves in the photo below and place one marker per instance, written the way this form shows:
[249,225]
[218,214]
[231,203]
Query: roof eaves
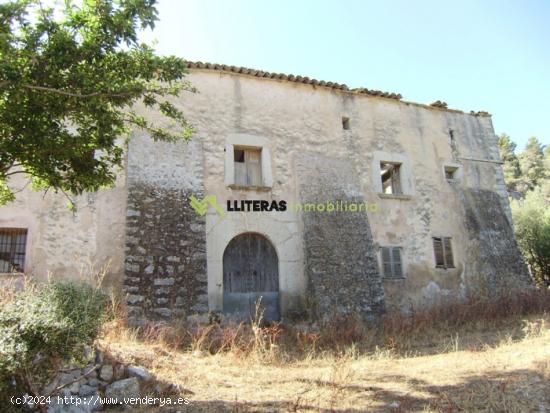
[314,82]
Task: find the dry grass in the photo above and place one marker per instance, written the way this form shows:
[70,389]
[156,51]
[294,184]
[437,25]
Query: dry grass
[480,356]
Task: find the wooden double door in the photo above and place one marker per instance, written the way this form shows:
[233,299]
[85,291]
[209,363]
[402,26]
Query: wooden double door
[251,277]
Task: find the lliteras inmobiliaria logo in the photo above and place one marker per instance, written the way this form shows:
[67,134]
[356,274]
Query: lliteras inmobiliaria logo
[246,205]
[201,206]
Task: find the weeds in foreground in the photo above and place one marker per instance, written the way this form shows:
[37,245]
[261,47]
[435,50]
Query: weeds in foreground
[349,336]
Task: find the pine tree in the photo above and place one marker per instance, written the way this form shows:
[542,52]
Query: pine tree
[531,162]
[511,169]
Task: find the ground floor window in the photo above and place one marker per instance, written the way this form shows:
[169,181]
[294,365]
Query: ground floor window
[392,267]
[443,252]
[13,243]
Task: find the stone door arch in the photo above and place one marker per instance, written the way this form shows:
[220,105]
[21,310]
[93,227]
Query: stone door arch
[250,274]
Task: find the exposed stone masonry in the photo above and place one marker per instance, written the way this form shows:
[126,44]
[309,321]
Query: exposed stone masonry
[495,256]
[341,263]
[165,255]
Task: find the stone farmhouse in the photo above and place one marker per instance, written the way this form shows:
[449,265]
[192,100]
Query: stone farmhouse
[309,195]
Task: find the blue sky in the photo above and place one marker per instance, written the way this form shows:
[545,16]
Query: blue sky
[472,54]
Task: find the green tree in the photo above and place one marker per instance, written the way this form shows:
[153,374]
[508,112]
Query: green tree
[69,77]
[531,162]
[510,168]
[532,225]
[545,185]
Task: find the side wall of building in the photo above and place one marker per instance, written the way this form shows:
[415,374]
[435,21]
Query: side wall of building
[82,244]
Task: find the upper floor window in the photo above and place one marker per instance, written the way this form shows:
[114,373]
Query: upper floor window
[443,252]
[248,166]
[247,162]
[392,266]
[13,243]
[390,173]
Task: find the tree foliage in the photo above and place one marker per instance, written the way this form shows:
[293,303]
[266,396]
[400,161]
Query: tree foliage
[511,168]
[531,162]
[532,224]
[528,175]
[70,74]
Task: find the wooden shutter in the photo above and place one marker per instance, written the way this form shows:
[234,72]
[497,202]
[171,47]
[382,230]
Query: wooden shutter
[386,262]
[438,252]
[396,261]
[396,180]
[449,262]
[252,159]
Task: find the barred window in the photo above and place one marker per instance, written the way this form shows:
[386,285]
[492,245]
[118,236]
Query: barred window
[392,267]
[443,252]
[13,242]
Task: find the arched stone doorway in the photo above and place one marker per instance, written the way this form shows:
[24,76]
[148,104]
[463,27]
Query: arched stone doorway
[250,273]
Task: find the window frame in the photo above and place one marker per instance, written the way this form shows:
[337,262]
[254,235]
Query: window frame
[395,183]
[447,253]
[240,141]
[391,249]
[405,174]
[456,171]
[247,150]
[13,233]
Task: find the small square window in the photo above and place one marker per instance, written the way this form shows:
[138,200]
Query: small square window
[248,166]
[451,173]
[443,252]
[345,123]
[392,266]
[390,173]
[13,244]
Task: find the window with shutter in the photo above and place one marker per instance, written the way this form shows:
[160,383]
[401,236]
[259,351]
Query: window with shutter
[248,166]
[392,267]
[390,173]
[443,252]
[13,243]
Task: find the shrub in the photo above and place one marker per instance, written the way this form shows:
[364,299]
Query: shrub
[532,225]
[42,328]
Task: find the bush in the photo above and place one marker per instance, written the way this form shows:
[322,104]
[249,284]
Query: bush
[532,225]
[42,328]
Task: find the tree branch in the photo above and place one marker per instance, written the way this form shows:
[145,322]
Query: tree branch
[76,95]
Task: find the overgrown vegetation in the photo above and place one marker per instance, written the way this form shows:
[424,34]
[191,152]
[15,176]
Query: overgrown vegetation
[395,332]
[476,355]
[42,328]
[527,177]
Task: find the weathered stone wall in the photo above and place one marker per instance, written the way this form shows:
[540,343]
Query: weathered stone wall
[340,258]
[298,118]
[290,119]
[496,264]
[165,267]
[77,245]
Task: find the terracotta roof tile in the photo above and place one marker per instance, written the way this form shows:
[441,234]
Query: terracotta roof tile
[306,80]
